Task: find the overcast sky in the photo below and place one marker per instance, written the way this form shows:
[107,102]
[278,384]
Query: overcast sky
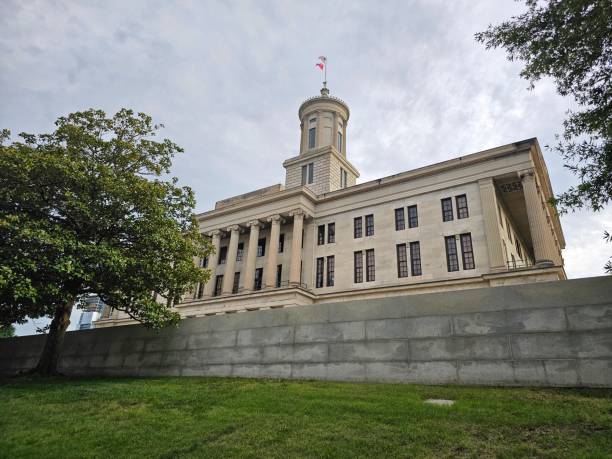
[227,78]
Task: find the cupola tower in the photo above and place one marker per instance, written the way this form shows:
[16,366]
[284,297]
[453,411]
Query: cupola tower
[321,164]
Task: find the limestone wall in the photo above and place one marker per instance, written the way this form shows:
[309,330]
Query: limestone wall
[552,333]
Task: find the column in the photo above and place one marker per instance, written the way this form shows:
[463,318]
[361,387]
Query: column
[230,263]
[296,247]
[488,199]
[303,137]
[319,125]
[538,225]
[270,268]
[213,258]
[344,139]
[249,270]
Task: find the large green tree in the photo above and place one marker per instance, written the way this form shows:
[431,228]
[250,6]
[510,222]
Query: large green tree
[570,41]
[7,331]
[86,209]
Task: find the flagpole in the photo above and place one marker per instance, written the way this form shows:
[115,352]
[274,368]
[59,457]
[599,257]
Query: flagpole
[325,82]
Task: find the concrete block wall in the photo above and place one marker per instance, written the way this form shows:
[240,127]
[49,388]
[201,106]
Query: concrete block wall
[552,334]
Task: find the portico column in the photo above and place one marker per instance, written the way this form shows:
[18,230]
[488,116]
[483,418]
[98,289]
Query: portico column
[230,263]
[296,247]
[249,274]
[212,263]
[270,269]
[537,220]
[488,198]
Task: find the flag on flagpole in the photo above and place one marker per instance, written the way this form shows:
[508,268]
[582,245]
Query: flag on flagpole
[321,64]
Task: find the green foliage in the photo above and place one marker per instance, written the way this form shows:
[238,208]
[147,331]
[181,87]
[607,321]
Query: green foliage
[6,331]
[571,42]
[85,209]
[216,418]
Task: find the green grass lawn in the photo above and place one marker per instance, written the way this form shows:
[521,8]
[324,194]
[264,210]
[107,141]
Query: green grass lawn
[209,417]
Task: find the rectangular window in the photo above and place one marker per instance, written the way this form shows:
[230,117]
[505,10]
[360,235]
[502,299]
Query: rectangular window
[369,225]
[204,262]
[447,209]
[343,178]
[358,269]
[310,172]
[218,285]
[331,233]
[200,290]
[462,207]
[240,252]
[358,223]
[413,217]
[339,142]
[222,255]
[452,262]
[330,270]
[319,280]
[370,267]
[415,258]
[236,282]
[261,247]
[321,235]
[400,224]
[258,278]
[304,174]
[467,252]
[402,260]
[281,243]
[279,275]
[312,134]
[513,261]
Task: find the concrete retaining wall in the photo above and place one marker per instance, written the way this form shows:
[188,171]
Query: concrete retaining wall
[553,333]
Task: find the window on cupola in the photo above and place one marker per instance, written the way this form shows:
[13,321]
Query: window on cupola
[340,142]
[312,133]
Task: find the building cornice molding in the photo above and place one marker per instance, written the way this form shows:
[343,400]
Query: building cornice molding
[328,149]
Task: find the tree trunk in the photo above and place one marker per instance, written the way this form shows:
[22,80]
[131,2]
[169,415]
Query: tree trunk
[47,365]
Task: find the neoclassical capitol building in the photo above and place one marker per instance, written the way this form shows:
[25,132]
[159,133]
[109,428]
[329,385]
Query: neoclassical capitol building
[480,220]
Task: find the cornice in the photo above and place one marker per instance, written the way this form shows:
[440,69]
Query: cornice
[328,149]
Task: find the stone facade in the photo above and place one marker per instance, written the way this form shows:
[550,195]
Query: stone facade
[551,333]
[269,251]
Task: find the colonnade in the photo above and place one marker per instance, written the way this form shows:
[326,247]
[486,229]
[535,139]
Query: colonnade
[269,272]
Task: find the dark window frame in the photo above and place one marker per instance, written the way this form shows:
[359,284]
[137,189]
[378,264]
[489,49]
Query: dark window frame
[400,220]
[413,220]
[240,251]
[281,243]
[357,227]
[447,209]
[369,224]
[462,206]
[402,260]
[320,234]
[312,137]
[222,255]
[415,258]
[236,284]
[279,275]
[358,267]
[452,257]
[258,279]
[261,247]
[339,144]
[467,251]
[331,233]
[330,271]
[218,285]
[370,265]
[320,269]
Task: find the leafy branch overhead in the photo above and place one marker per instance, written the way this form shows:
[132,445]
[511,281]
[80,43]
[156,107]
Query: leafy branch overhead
[570,41]
[85,209]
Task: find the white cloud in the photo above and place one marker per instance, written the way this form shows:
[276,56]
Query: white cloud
[227,79]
